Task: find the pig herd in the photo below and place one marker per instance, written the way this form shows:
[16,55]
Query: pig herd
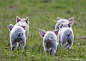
[63,29]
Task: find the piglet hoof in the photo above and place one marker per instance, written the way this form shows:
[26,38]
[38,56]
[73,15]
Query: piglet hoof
[53,54]
[47,50]
[13,48]
[69,48]
[22,47]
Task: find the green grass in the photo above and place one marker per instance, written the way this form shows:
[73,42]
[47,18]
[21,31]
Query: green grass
[41,15]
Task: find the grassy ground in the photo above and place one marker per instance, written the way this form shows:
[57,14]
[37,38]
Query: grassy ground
[41,15]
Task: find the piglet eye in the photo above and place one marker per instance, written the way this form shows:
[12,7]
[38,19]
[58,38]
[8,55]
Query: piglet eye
[23,27]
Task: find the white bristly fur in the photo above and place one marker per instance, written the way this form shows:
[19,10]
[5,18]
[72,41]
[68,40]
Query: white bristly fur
[66,36]
[50,41]
[15,37]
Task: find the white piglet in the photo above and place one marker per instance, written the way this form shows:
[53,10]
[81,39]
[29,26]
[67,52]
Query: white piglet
[49,40]
[17,36]
[62,21]
[65,35]
[23,23]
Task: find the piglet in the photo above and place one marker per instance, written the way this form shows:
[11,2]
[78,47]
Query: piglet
[49,40]
[24,22]
[62,21]
[65,35]
[17,35]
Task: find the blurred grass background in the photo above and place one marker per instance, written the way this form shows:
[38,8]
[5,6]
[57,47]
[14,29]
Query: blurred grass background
[41,14]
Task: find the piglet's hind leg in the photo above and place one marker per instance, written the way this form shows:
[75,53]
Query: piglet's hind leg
[13,46]
[53,51]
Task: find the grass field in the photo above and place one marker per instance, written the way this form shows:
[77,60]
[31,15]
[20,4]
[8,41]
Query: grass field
[41,15]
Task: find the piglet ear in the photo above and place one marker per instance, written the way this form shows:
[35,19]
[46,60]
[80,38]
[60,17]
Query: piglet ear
[70,24]
[71,20]
[27,19]
[56,32]
[17,19]
[58,18]
[10,27]
[42,33]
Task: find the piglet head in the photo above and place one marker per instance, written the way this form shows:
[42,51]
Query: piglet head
[18,19]
[65,25]
[42,33]
[10,27]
